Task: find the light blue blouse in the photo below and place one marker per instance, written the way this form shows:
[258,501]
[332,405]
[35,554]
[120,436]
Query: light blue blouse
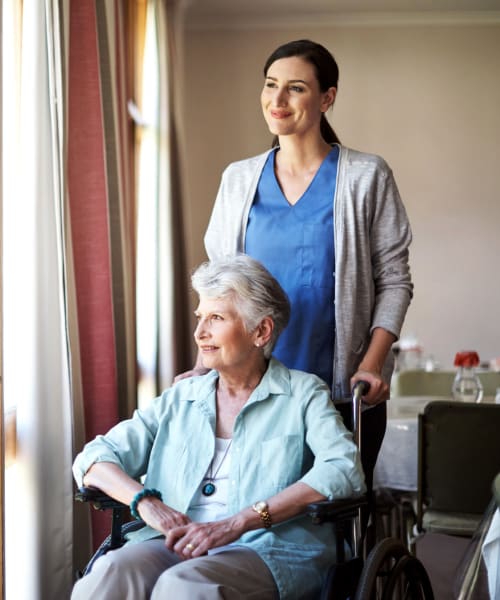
[288,431]
[296,244]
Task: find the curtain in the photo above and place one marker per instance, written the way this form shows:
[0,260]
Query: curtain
[104,146]
[36,366]
[3,427]
[175,341]
[101,223]
[164,347]
[70,266]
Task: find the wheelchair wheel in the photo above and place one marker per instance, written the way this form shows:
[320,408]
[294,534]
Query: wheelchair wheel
[408,579]
[340,582]
[391,573]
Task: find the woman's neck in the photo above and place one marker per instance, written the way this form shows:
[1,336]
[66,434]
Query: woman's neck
[234,384]
[233,392]
[296,164]
[298,156]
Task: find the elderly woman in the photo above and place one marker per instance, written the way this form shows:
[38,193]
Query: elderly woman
[231,459]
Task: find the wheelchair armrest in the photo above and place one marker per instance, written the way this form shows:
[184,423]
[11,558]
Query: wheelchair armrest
[336,510]
[99,500]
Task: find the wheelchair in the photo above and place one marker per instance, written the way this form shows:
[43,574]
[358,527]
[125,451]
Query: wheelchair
[387,571]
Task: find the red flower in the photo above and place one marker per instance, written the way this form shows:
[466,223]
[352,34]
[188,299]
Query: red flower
[467,359]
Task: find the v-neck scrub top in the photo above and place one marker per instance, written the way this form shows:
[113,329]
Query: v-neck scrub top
[296,244]
[373,286]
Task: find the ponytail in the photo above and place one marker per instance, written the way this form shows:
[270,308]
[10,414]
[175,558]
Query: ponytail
[327,132]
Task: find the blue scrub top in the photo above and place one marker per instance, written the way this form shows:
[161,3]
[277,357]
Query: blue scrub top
[295,243]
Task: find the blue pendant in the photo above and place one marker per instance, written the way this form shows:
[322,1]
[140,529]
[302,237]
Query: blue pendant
[208,489]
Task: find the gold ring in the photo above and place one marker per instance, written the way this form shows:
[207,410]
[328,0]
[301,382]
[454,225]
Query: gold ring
[189,547]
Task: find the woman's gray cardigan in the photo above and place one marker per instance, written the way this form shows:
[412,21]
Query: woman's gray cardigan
[373,285]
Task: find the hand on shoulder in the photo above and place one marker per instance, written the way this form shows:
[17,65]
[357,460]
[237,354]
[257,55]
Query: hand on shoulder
[197,371]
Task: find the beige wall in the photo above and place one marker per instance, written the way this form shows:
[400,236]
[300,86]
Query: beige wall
[426,98]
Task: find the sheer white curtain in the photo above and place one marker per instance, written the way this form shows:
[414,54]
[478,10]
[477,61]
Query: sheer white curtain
[163,326]
[54,387]
[149,260]
[174,326]
[36,368]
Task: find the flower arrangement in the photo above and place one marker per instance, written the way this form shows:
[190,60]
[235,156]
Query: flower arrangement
[467,359]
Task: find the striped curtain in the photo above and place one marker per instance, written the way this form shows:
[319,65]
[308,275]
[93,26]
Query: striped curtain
[106,51]
[101,225]
[70,364]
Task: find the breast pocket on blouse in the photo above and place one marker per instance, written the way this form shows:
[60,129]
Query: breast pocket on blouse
[317,256]
[281,461]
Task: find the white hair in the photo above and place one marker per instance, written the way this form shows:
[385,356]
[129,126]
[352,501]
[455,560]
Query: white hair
[256,293]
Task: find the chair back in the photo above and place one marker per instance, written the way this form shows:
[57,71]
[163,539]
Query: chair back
[496,489]
[437,383]
[459,456]
[422,383]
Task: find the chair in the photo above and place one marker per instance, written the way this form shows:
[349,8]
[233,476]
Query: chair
[388,568]
[417,382]
[471,578]
[387,571]
[459,456]
[496,489]
[119,528]
[490,381]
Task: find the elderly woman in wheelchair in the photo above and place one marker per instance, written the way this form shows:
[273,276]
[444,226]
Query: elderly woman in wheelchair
[230,461]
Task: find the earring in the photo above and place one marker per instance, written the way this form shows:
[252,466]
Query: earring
[257,344]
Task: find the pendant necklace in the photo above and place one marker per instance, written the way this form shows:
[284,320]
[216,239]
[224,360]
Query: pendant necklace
[209,488]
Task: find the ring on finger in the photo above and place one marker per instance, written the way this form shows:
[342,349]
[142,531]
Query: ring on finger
[189,547]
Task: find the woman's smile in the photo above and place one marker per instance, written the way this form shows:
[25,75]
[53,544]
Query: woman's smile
[280,114]
[208,348]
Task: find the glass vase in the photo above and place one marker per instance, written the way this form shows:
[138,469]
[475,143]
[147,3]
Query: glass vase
[467,386]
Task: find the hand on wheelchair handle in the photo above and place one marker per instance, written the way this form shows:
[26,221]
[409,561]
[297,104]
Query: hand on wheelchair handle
[362,386]
[374,389]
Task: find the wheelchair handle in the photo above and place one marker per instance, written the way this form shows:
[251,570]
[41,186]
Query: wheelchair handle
[359,389]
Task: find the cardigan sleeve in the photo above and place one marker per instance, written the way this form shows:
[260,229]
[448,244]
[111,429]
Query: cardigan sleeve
[390,240]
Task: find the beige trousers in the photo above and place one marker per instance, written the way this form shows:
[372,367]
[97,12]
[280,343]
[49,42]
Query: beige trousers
[149,570]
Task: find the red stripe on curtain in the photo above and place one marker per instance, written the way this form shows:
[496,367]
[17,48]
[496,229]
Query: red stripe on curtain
[89,223]
[120,202]
[90,231]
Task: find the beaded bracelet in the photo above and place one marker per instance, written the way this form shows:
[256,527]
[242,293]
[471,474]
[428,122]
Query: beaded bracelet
[145,493]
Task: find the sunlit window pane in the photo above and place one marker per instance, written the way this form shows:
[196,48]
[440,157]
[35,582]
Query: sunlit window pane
[147,200]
